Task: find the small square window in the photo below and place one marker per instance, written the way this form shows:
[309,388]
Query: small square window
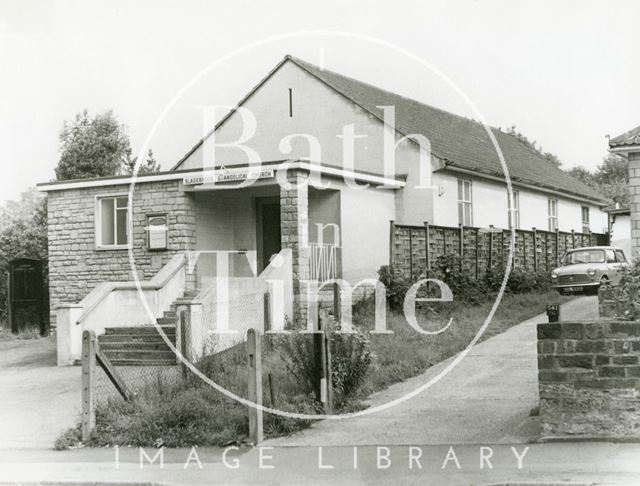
[112,222]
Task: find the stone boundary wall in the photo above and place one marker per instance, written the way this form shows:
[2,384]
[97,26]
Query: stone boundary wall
[76,266]
[589,379]
[481,248]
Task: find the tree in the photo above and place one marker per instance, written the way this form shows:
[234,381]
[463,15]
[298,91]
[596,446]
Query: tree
[92,146]
[551,158]
[583,175]
[149,166]
[611,179]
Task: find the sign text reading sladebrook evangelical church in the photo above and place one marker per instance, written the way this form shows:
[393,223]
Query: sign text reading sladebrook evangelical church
[228,175]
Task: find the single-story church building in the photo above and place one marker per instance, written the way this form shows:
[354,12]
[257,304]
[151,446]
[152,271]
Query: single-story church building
[326,162]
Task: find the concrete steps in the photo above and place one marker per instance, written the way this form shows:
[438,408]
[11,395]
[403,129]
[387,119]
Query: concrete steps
[143,345]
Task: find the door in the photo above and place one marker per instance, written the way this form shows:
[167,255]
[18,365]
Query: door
[268,230]
[25,296]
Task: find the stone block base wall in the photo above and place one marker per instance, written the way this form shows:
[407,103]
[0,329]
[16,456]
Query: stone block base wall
[589,379]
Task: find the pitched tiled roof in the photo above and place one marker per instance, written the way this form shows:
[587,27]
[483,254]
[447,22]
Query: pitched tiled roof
[459,141]
[632,137]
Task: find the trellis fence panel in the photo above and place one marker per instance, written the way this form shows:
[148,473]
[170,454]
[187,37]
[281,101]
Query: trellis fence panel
[413,249]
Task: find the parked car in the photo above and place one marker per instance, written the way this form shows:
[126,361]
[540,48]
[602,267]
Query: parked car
[585,269]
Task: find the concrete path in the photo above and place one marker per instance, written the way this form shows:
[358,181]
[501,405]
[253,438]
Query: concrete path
[39,400]
[485,399]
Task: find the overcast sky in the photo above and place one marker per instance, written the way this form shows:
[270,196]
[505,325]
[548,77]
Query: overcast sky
[565,73]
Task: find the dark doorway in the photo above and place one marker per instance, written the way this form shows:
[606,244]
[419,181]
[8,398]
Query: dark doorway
[268,229]
[25,296]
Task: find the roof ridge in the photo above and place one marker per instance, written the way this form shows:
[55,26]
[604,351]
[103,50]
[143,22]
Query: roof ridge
[298,61]
[441,110]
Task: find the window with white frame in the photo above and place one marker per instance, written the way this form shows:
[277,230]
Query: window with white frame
[514,211]
[111,222]
[585,219]
[553,214]
[465,203]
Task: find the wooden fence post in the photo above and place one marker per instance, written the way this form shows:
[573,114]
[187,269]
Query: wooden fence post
[557,247]
[490,247]
[328,374]
[254,386]
[535,249]
[392,239]
[183,336]
[322,358]
[477,253]
[336,302]
[546,251]
[88,384]
[9,316]
[410,254]
[426,244]
[502,251]
[267,311]
[461,245]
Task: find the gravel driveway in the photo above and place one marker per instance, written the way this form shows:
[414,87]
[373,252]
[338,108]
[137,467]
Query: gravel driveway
[39,400]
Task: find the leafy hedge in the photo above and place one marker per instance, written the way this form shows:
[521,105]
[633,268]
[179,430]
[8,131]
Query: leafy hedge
[464,286]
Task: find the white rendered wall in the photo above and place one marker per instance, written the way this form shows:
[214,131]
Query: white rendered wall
[490,205]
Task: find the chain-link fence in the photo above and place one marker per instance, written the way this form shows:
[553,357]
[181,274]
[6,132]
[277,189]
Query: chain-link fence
[138,371]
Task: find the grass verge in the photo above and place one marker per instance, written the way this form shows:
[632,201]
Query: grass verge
[405,353]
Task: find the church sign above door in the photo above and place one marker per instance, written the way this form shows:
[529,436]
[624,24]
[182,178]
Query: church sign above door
[228,175]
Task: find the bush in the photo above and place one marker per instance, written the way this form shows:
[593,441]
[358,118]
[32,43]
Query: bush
[623,300]
[351,359]
[465,287]
[397,286]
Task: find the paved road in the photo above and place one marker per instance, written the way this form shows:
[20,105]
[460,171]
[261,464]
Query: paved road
[549,464]
[485,399]
[39,400]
